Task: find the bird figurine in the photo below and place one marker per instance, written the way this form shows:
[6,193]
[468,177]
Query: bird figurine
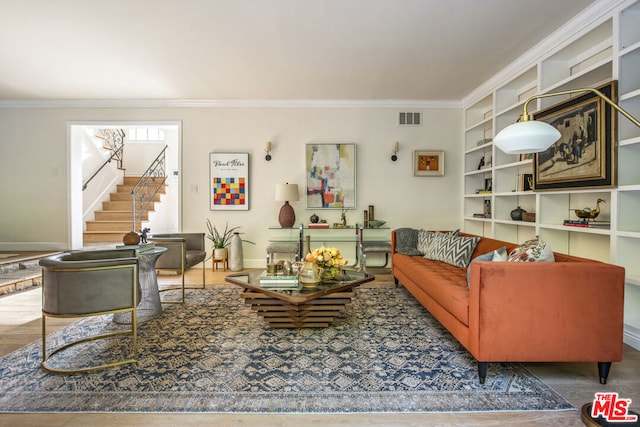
[589,214]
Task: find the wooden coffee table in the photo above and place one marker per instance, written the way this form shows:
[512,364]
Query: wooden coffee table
[304,308]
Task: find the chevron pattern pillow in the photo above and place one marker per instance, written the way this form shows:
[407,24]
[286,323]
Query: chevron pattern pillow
[454,250]
[426,238]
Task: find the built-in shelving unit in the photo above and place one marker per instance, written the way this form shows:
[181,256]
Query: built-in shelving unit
[608,49]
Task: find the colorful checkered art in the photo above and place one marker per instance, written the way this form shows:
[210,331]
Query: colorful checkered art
[229,191]
[229,181]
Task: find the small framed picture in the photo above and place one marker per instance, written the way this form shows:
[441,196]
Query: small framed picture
[428,163]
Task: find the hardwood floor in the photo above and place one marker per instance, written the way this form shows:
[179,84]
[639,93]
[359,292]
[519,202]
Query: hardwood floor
[577,382]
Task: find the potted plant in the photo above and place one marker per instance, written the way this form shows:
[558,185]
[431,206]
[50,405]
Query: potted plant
[221,240]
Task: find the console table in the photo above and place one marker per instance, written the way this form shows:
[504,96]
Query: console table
[330,236]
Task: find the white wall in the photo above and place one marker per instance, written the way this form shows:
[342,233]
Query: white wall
[33,166]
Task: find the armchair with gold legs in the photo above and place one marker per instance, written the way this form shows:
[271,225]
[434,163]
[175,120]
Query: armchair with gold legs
[83,284]
[184,250]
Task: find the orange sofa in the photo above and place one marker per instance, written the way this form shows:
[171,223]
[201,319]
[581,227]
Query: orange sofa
[570,310]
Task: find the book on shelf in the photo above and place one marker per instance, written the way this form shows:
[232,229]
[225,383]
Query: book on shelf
[318,225]
[586,224]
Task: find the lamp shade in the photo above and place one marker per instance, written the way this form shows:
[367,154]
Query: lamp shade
[287,193]
[526,137]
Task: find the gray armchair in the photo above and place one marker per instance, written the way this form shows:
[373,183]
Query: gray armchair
[184,250]
[89,283]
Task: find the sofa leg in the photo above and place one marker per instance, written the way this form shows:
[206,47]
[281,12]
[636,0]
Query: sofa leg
[603,371]
[482,371]
[395,281]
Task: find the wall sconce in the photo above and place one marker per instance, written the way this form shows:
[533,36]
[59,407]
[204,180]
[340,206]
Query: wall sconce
[394,150]
[267,149]
[531,136]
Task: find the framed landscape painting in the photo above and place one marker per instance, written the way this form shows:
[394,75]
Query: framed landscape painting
[330,175]
[585,154]
[229,179]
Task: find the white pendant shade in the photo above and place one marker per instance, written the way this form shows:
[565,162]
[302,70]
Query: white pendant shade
[526,137]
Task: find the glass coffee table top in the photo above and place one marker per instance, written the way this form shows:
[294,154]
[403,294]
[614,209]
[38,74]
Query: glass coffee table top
[345,281]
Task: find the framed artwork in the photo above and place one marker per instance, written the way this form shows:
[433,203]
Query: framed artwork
[428,163]
[331,175]
[229,179]
[585,154]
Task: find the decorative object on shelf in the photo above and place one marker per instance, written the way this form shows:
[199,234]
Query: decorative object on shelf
[331,175]
[525,182]
[376,223]
[267,149]
[314,218]
[366,219]
[529,216]
[371,213]
[481,163]
[428,163]
[516,214]
[588,213]
[229,179]
[488,184]
[394,150]
[131,238]
[329,260]
[286,193]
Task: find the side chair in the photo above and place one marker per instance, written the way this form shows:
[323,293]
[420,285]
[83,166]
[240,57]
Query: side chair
[89,283]
[184,250]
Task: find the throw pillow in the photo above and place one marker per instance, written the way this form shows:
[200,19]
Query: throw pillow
[454,250]
[535,250]
[407,238]
[427,238]
[405,250]
[495,256]
[500,254]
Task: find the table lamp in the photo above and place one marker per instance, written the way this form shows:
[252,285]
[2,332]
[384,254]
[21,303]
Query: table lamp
[286,193]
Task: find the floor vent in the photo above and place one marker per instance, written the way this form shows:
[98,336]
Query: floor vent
[409,118]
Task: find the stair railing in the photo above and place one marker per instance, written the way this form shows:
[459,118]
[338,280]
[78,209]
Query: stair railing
[113,141]
[145,190]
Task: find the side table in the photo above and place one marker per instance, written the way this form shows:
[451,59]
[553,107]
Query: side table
[150,306]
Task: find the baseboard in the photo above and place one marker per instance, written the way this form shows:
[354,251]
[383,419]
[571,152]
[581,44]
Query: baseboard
[632,336]
[33,246]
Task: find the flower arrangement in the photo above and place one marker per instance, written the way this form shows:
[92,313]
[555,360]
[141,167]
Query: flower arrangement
[327,258]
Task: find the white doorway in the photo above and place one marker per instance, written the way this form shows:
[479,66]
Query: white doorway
[144,141]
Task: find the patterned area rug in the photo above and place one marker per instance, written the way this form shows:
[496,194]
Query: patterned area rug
[385,354]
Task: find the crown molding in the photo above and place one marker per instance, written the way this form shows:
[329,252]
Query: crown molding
[230,103]
[582,23]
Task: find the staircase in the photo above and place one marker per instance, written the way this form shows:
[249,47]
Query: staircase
[116,217]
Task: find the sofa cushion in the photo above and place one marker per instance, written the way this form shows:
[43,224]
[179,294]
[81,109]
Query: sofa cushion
[497,255]
[452,249]
[443,282]
[535,250]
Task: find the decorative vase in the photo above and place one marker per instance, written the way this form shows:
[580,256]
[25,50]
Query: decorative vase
[516,214]
[235,253]
[310,274]
[314,218]
[131,238]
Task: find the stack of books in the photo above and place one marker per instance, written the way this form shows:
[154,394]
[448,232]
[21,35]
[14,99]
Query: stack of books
[319,225]
[279,282]
[586,224]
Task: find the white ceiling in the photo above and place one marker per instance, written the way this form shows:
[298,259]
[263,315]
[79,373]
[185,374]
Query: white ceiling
[265,49]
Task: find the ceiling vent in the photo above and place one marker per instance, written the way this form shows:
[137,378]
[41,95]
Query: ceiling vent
[409,118]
